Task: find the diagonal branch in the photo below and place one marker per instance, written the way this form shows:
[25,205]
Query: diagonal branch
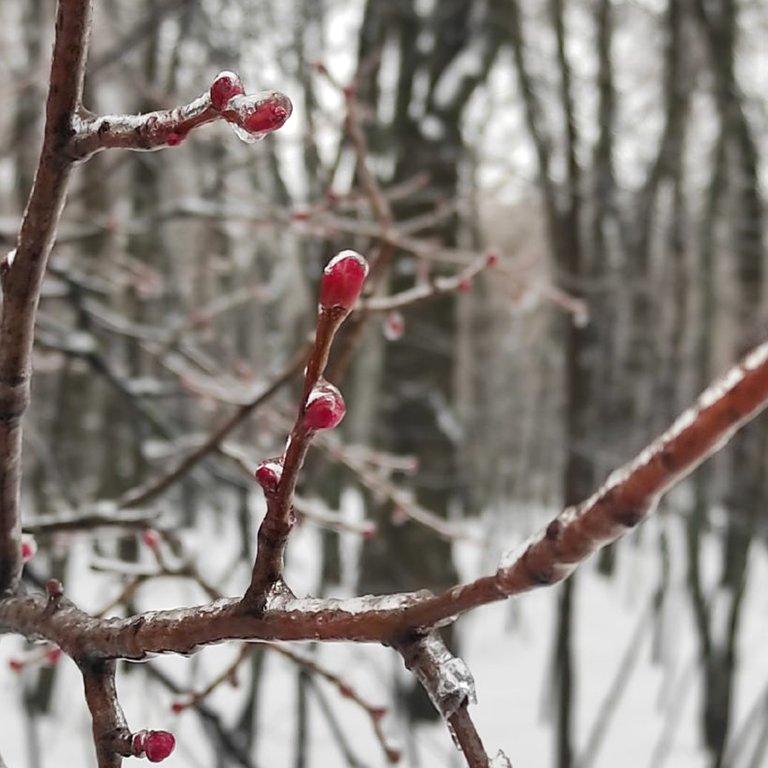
[451,688]
[625,500]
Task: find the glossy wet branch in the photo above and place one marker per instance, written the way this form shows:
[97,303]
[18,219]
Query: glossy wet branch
[252,116]
[22,270]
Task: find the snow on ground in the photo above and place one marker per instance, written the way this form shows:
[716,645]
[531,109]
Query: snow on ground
[507,646]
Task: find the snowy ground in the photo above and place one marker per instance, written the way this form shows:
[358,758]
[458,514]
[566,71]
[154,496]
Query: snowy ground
[654,723]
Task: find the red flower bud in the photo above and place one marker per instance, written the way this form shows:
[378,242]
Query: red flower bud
[54,589]
[268,474]
[226,86]
[159,745]
[252,117]
[177,707]
[154,745]
[325,407]
[343,280]
[151,538]
[28,547]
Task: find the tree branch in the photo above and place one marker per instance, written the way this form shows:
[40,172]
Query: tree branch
[110,730]
[629,495]
[254,115]
[22,270]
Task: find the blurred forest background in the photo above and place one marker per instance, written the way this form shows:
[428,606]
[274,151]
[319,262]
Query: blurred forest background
[612,154]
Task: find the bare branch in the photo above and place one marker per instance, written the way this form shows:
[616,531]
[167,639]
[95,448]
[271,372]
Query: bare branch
[22,275]
[340,287]
[254,116]
[451,688]
[624,501]
[138,496]
[110,730]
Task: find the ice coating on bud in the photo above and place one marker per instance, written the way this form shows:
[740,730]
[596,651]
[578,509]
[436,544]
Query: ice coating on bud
[225,86]
[268,474]
[325,407]
[252,117]
[343,280]
[28,547]
[159,745]
[154,745]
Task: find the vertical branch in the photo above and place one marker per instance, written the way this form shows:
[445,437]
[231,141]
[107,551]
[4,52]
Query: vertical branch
[110,731]
[22,271]
[469,739]
[321,407]
[451,688]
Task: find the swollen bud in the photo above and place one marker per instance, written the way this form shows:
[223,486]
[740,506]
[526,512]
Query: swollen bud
[252,117]
[54,589]
[343,280]
[226,86]
[28,547]
[154,745]
[268,474]
[325,407]
[151,538]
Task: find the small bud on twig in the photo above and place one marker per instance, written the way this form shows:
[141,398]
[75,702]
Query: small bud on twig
[343,280]
[325,407]
[54,589]
[28,547]
[154,745]
[226,86]
[151,538]
[268,474]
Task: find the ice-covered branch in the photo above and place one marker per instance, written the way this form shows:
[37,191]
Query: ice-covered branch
[628,496]
[449,684]
[111,735]
[321,407]
[252,117]
[625,500]
[22,270]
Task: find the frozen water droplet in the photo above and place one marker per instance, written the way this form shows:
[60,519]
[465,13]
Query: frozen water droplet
[243,135]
